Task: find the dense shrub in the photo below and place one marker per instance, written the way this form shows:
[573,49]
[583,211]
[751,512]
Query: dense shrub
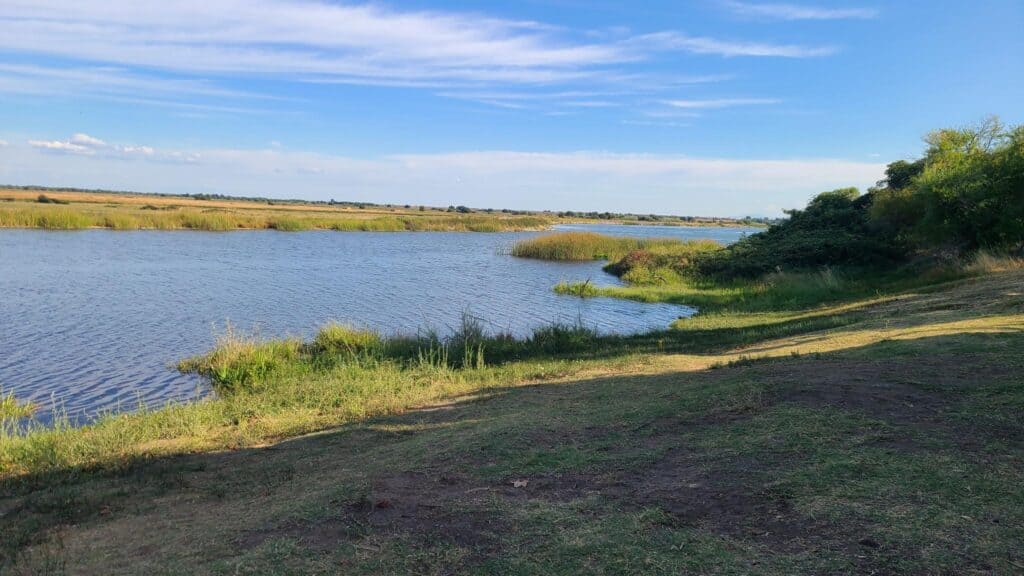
[834,229]
[969,193]
[965,194]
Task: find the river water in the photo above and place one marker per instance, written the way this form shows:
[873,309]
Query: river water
[94,320]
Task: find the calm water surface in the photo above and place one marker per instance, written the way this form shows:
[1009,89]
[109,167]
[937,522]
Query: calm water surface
[94,320]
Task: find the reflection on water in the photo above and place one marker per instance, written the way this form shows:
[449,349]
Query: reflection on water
[94,319]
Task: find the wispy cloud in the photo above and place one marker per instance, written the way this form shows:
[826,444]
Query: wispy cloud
[119,84]
[729,48]
[540,180]
[304,38]
[606,95]
[798,12]
[313,40]
[719,103]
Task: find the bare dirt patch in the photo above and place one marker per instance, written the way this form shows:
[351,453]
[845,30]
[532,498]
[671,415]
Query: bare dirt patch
[420,505]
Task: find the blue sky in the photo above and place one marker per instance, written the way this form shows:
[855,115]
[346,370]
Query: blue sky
[709,107]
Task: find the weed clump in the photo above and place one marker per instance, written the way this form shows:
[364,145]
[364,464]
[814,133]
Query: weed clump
[240,362]
[13,409]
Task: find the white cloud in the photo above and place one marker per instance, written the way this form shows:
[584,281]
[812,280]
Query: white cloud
[61,146]
[798,12]
[3,143]
[713,46]
[84,144]
[314,40]
[586,180]
[86,140]
[719,103]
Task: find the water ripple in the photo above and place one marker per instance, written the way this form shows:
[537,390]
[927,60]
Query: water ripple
[94,320]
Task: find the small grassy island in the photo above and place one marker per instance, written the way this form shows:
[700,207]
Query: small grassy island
[849,400]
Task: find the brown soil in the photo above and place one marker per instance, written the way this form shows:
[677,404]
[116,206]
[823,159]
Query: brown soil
[732,497]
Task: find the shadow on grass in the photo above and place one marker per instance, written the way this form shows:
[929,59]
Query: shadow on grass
[498,424]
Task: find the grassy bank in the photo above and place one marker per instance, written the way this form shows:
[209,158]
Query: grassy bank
[269,390]
[862,438]
[78,211]
[664,271]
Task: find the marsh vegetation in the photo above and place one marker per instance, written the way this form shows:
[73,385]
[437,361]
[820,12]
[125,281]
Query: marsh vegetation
[79,211]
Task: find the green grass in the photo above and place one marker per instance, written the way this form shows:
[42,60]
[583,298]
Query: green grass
[12,409]
[892,420]
[875,456]
[591,246]
[278,388]
[779,292]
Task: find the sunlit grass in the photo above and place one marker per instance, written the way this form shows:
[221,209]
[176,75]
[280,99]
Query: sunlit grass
[81,216]
[985,262]
[590,246]
[268,390]
[12,409]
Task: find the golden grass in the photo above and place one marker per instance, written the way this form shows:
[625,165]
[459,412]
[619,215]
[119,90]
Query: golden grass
[985,262]
[592,246]
[12,409]
[19,209]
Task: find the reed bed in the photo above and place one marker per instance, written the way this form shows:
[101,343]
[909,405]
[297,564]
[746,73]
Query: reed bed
[581,246]
[49,216]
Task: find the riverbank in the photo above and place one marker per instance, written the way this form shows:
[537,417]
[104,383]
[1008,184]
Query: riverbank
[83,210]
[861,437]
[79,209]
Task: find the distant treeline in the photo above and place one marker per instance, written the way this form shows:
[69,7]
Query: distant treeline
[667,219]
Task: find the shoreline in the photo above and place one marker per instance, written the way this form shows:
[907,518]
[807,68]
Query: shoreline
[52,209]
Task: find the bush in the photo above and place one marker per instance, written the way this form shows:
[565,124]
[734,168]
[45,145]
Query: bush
[967,193]
[44,199]
[834,229]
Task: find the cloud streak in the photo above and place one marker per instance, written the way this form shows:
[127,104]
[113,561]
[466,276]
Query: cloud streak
[669,41]
[313,40]
[719,103]
[798,12]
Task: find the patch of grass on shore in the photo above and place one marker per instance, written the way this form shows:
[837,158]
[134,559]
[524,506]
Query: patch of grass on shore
[267,390]
[775,292]
[663,271]
[581,246]
[12,409]
[273,389]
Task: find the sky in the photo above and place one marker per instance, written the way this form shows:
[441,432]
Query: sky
[702,107]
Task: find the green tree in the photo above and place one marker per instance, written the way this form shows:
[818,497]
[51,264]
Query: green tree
[834,229]
[972,187]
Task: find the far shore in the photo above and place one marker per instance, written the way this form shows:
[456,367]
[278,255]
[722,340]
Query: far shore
[58,209]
